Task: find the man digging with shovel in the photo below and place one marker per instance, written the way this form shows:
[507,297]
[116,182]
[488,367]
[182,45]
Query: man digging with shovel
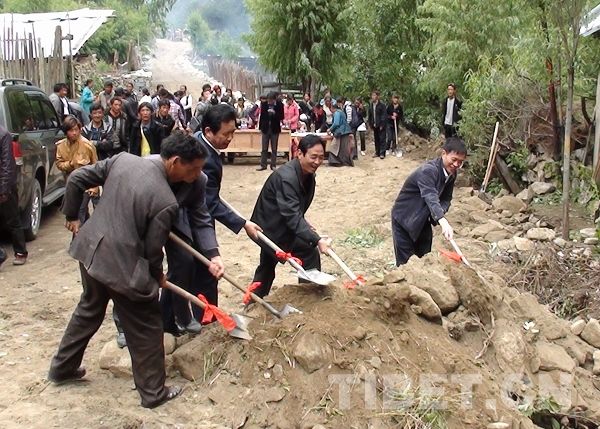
[280,208]
[424,200]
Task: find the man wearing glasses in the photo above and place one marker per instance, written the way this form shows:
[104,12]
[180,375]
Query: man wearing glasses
[424,201]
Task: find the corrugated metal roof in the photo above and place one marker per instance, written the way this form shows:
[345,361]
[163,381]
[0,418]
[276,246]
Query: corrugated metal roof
[591,22]
[81,23]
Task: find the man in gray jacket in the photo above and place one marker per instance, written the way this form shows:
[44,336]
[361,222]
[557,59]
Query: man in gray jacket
[120,255]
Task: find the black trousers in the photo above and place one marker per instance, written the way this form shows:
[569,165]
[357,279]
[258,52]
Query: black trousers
[271,139]
[142,324]
[265,272]
[450,130]
[405,247]
[379,137]
[193,276]
[9,216]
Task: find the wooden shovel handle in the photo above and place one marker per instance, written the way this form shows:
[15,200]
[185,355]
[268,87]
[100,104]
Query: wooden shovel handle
[206,262]
[342,264]
[185,294]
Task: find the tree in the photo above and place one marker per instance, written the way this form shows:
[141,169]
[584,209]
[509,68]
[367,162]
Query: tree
[567,18]
[199,31]
[302,40]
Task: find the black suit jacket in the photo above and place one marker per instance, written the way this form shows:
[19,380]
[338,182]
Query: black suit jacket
[455,112]
[153,135]
[379,114]
[425,197]
[282,203]
[270,123]
[213,168]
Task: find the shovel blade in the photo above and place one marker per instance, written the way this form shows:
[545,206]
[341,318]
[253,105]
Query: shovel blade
[239,334]
[289,309]
[316,276]
[241,327]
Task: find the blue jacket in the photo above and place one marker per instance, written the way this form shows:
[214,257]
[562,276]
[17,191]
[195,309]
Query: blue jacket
[86,100]
[339,126]
[425,197]
[213,168]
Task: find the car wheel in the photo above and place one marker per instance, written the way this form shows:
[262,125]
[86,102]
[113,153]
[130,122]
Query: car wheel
[33,214]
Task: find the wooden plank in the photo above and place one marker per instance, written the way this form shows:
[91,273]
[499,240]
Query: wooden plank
[504,172]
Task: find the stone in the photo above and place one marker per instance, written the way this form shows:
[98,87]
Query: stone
[359,333]
[534,364]
[527,226]
[524,244]
[541,234]
[592,241]
[507,245]
[596,369]
[588,232]
[577,327]
[554,357]
[510,203]
[509,346]
[476,203]
[560,242]
[395,276]
[312,352]
[375,362]
[495,236]
[484,229]
[425,303]
[591,333]
[541,188]
[498,425]
[169,343]
[443,294]
[274,394]
[199,355]
[116,360]
[526,195]
[278,372]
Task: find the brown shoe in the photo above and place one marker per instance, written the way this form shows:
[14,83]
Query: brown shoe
[20,259]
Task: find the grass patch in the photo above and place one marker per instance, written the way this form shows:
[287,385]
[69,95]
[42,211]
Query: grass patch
[364,237]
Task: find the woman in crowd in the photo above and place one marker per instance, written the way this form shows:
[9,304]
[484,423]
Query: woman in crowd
[341,148]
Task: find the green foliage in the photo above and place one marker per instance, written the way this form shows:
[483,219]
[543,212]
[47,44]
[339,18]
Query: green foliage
[302,40]
[210,42]
[494,186]
[517,160]
[364,237]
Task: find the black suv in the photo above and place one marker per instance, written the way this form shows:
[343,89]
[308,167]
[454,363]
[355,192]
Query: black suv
[26,112]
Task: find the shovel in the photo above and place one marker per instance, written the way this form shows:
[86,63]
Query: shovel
[312,275]
[465,261]
[359,281]
[287,309]
[239,327]
[398,149]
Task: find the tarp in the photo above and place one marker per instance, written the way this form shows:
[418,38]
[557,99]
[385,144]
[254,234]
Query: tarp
[81,23]
[591,22]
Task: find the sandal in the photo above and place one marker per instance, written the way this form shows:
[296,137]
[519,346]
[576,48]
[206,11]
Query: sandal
[172,393]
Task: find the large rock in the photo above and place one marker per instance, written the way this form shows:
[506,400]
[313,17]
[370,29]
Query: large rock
[312,352]
[487,228]
[588,232]
[591,333]
[510,203]
[577,327]
[541,188]
[526,195]
[169,342]
[443,294]
[554,357]
[596,370]
[424,304]
[198,359]
[476,203]
[510,346]
[541,234]
[524,244]
[116,360]
[495,236]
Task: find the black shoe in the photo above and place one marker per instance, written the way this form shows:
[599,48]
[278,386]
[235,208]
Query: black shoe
[172,393]
[76,376]
[382,157]
[261,168]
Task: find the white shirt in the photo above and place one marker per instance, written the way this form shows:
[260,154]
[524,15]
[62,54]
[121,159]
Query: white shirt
[65,104]
[210,145]
[146,99]
[187,102]
[449,112]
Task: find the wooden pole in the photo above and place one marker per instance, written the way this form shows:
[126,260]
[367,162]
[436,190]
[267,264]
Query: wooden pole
[597,126]
[488,170]
[567,151]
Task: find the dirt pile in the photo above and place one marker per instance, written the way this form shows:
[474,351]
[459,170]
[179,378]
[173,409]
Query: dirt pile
[432,343]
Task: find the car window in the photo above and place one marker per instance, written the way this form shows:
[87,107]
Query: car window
[38,115]
[21,116]
[49,114]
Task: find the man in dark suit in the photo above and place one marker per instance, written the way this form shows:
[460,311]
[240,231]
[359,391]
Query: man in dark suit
[271,115]
[377,121]
[451,112]
[424,200]
[280,208]
[120,255]
[219,125]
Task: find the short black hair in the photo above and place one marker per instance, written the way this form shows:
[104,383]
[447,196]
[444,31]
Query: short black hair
[70,122]
[145,91]
[217,115]
[455,144]
[59,86]
[206,87]
[309,141]
[162,93]
[184,87]
[159,86]
[272,95]
[453,85]
[96,106]
[163,103]
[88,81]
[145,104]
[108,83]
[119,92]
[115,99]
[186,147]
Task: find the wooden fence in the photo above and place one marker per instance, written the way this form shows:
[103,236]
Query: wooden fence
[236,77]
[24,58]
